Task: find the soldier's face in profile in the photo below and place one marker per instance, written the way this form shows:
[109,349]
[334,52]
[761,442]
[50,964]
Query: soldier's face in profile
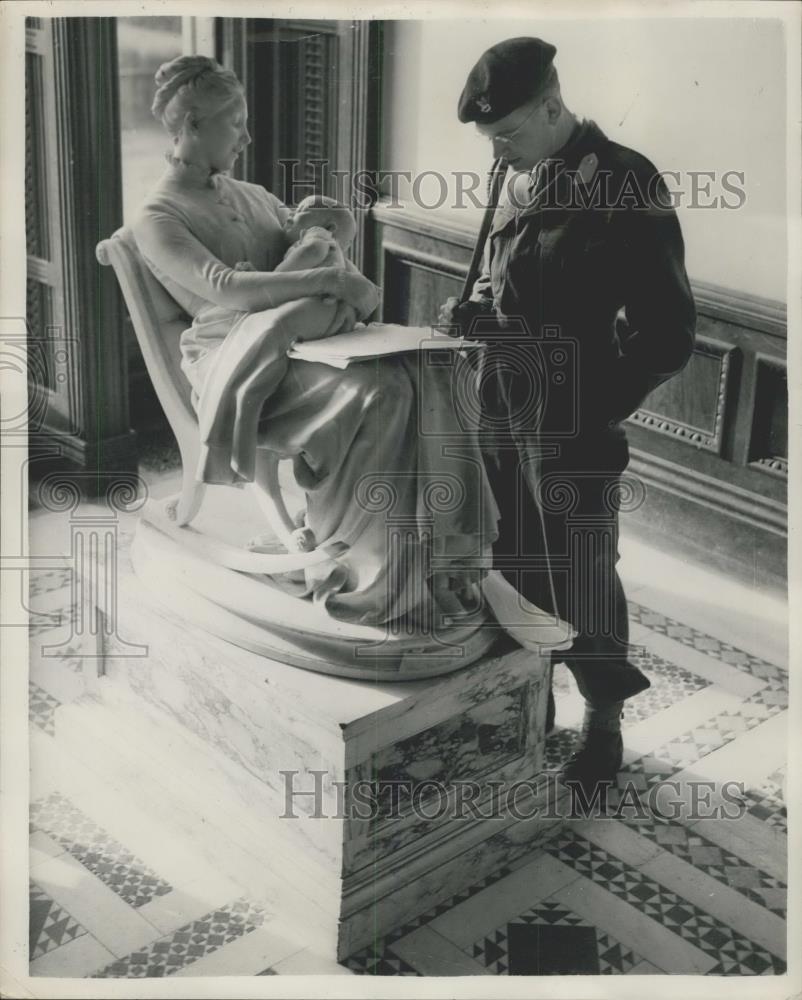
[526,135]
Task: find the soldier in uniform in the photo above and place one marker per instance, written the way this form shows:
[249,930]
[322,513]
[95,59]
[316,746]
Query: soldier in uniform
[586,308]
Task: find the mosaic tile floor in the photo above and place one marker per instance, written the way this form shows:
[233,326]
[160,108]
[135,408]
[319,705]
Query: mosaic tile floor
[189,943]
[50,927]
[635,894]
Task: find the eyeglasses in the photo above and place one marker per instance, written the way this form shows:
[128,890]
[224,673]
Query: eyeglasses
[505,139]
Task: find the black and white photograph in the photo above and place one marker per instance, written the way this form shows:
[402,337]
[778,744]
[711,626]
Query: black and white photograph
[397,497]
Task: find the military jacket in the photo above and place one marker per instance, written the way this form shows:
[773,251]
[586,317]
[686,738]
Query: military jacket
[585,279]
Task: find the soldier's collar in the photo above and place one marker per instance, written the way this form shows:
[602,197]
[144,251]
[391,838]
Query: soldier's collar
[575,163]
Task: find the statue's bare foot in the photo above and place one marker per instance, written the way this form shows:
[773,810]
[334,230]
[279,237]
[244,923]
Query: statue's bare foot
[267,543]
[300,540]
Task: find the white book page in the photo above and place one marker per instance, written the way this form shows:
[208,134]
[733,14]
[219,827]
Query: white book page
[377,339]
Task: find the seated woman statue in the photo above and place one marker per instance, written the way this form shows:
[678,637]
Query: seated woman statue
[408,522]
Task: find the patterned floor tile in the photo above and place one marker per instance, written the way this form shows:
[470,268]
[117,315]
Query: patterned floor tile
[550,940]
[671,683]
[559,746]
[715,861]
[708,644]
[50,926]
[687,749]
[774,696]
[384,963]
[125,874]
[41,708]
[734,954]
[765,802]
[189,943]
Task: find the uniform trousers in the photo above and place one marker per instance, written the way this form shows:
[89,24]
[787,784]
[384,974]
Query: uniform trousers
[560,549]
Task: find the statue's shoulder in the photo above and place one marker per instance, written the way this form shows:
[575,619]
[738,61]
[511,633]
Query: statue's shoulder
[161,208]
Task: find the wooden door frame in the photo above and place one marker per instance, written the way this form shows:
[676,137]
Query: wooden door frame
[88,421]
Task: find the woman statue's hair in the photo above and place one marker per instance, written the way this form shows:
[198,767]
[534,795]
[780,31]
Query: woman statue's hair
[196,84]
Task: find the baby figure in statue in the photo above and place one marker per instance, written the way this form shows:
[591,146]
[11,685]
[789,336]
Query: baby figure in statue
[319,232]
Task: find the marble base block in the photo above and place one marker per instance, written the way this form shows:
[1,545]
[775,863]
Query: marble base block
[351,806]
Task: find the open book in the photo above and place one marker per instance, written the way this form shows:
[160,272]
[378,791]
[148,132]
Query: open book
[374,341]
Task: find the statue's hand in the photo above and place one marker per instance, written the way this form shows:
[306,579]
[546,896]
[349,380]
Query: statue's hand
[355,289]
[344,320]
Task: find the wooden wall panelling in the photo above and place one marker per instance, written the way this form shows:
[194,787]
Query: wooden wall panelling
[693,406]
[768,445]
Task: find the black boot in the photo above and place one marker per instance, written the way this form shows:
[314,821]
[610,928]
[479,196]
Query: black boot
[597,758]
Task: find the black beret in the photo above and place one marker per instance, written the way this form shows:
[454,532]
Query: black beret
[504,78]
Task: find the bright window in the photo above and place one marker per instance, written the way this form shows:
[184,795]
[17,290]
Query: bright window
[143,44]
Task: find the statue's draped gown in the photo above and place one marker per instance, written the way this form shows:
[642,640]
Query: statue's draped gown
[392,471]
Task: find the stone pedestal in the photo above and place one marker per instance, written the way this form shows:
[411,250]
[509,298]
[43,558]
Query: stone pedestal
[353,806]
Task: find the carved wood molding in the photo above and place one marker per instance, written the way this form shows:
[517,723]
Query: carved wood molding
[708,438]
[775,464]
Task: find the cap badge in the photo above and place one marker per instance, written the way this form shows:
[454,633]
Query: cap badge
[483,104]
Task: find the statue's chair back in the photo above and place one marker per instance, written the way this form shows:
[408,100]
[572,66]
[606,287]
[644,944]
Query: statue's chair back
[158,322]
